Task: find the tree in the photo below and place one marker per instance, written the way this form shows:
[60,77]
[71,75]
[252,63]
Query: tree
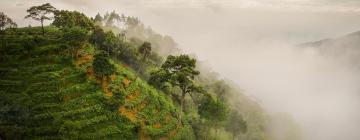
[236,124]
[29,43]
[214,111]
[106,41]
[98,36]
[75,37]
[41,13]
[178,71]
[145,50]
[110,18]
[69,19]
[221,89]
[110,42]
[98,19]
[6,22]
[102,66]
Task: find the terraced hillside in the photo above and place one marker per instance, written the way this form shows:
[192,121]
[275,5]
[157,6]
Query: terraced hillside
[48,93]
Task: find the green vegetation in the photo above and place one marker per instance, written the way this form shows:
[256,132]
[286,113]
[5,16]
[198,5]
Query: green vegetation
[236,124]
[41,13]
[102,67]
[68,19]
[6,22]
[90,79]
[178,71]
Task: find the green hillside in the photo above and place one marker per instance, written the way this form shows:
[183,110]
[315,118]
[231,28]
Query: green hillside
[50,95]
[86,78]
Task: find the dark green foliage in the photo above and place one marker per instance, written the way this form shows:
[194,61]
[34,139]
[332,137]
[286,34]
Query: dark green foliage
[52,99]
[29,44]
[69,19]
[75,37]
[145,50]
[110,43]
[101,65]
[178,71]
[106,41]
[98,36]
[6,22]
[41,13]
[214,111]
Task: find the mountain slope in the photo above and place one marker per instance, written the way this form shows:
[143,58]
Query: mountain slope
[49,94]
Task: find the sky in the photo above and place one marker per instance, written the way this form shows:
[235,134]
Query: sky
[251,42]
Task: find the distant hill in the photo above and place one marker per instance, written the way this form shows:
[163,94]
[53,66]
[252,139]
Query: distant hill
[350,40]
[345,47]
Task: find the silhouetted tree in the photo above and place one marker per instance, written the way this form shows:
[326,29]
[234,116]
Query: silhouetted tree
[145,50]
[98,19]
[41,13]
[6,22]
[109,19]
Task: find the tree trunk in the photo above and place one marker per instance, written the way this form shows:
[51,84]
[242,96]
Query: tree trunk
[216,133]
[181,106]
[42,27]
[233,135]
[207,130]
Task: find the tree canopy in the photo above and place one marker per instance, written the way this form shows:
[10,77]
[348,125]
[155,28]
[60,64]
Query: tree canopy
[111,18]
[6,22]
[214,111]
[75,37]
[98,19]
[236,124]
[65,18]
[41,13]
[145,49]
[178,71]
[102,66]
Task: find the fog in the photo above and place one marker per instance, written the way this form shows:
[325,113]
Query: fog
[254,45]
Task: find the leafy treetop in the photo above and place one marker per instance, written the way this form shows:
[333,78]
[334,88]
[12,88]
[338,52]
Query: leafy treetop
[68,19]
[145,49]
[102,66]
[178,71]
[6,22]
[41,13]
